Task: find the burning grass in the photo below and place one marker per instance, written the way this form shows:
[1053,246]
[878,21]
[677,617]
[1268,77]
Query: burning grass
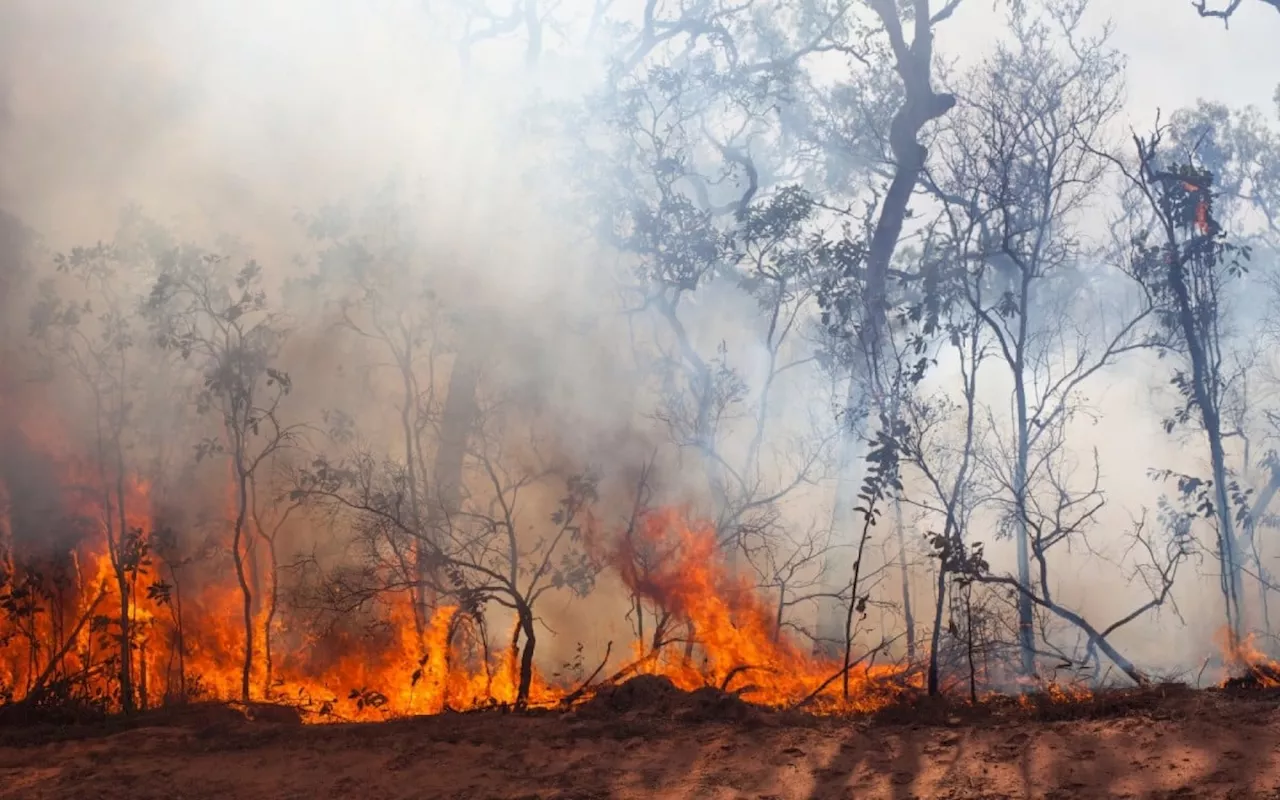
[1248,666]
[716,653]
[61,632]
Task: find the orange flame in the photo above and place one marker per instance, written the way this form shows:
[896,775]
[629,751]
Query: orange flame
[1202,207]
[60,627]
[736,633]
[1245,663]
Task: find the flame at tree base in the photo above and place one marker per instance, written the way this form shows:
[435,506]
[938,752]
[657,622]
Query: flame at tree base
[677,565]
[63,616]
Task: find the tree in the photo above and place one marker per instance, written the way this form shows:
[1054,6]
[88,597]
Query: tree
[1241,148]
[217,317]
[95,340]
[366,267]
[1186,265]
[481,558]
[1022,160]
[859,307]
[945,313]
[704,191]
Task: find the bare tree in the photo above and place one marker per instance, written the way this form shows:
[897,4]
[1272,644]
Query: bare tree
[480,557]
[366,269]
[1022,161]
[947,465]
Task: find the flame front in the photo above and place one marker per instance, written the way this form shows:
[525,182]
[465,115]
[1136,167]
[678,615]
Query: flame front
[62,620]
[739,644]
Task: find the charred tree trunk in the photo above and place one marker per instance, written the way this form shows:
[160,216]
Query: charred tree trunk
[421,606]
[242,577]
[526,656]
[127,697]
[831,611]
[779,613]
[935,637]
[855,606]
[177,645]
[142,675]
[968,642]
[953,556]
[113,516]
[1026,620]
[269,614]
[908,615]
[7,568]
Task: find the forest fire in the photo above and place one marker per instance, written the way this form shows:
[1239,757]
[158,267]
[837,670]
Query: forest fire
[676,563]
[78,582]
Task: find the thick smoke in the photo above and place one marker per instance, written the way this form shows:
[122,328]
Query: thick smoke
[246,126]
[234,125]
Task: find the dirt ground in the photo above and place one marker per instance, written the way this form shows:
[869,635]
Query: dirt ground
[1167,743]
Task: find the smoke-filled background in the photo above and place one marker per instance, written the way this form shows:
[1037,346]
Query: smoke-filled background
[528,273]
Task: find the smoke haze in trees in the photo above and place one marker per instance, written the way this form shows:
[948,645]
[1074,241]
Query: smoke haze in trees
[399,192]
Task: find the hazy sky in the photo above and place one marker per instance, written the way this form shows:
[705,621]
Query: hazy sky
[246,98]
[1174,56]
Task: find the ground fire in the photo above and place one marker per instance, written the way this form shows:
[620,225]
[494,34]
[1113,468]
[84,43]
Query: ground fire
[66,556]
[61,587]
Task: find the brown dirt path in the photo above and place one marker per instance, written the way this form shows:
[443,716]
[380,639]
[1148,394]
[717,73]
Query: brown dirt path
[1186,745]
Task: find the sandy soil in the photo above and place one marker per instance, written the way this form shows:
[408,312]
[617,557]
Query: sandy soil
[1159,744]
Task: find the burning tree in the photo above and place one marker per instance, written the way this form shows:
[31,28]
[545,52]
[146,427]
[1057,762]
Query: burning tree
[95,340]
[1186,269]
[483,555]
[703,198]
[362,270]
[217,318]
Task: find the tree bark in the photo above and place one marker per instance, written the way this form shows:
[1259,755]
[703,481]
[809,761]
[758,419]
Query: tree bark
[920,106]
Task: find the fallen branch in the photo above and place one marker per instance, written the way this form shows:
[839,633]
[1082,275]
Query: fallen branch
[738,670]
[573,696]
[848,666]
[1096,638]
[634,665]
[43,678]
